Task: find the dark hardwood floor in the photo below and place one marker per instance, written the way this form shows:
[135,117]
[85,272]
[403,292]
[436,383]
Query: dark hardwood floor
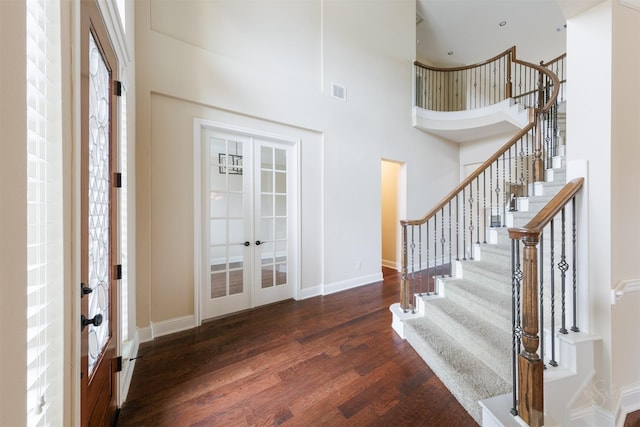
[324,361]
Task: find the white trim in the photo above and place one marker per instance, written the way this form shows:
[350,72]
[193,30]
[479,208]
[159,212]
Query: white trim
[351,283]
[177,324]
[591,416]
[166,327]
[111,16]
[129,352]
[144,334]
[633,4]
[199,246]
[624,287]
[305,293]
[629,401]
[391,264]
[198,124]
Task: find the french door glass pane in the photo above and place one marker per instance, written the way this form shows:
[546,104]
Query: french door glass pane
[226,217]
[273,221]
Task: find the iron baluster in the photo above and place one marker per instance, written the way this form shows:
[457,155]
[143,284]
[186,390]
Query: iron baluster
[457,228]
[413,270]
[442,239]
[552,361]
[428,260]
[484,203]
[470,221]
[504,192]
[464,226]
[516,282]
[435,247]
[403,284]
[450,264]
[563,267]
[541,275]
[420,271]
[478,210]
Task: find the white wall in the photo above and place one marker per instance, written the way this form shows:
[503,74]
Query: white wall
[13,218]
[625,196]
[603,126]
[275,74]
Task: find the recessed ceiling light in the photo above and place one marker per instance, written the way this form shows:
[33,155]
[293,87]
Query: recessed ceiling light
[450,53]
[502,23]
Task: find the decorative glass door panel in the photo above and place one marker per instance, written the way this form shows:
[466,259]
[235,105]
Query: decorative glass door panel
[99,204]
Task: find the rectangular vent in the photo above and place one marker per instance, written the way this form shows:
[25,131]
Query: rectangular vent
[338,91]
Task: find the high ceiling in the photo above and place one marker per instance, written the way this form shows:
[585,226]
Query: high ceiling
[471,30]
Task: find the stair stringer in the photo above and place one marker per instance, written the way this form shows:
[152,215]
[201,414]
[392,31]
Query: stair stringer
[563,386]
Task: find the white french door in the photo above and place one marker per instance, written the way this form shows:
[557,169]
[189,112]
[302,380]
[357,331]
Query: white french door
[248,222]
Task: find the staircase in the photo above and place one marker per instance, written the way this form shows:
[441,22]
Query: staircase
[465,333]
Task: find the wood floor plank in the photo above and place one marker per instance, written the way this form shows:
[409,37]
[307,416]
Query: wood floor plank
[325,361]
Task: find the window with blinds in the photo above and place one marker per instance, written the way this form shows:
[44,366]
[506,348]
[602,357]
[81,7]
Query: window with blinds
[44,216]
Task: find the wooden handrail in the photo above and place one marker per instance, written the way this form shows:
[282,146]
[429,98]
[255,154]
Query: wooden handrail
[511,50]
[547,213]
[554,60]
[473,175]
[532,123]
[550,75]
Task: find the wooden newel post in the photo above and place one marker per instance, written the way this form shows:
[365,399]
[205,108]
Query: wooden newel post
[404,292]
[530,366]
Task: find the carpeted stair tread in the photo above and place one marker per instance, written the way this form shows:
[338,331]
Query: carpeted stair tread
[468,378]
[493,306]
[490,344]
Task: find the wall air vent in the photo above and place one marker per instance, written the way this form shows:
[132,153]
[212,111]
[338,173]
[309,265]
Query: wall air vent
[338,91]
[419,18]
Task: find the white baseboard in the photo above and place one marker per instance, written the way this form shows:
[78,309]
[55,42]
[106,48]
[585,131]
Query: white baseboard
[129,353]
[391,264]
[310,292]
[144,334]
[171,326]
[166,327]
[351,283]
[591,416]
[628,402]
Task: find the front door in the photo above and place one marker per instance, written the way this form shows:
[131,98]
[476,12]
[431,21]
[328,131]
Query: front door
[99,243]
[249,212]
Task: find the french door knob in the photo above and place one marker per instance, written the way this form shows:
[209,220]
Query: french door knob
[96,321]
[247,243]
[258,242]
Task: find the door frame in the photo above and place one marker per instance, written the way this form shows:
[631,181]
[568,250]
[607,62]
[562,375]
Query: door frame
[199,125]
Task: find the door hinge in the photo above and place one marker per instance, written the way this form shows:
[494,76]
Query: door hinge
[119,364]
[117,271]
[117,179]
[118,88]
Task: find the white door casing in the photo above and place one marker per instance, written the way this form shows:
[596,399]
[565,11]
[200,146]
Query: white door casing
[246,227]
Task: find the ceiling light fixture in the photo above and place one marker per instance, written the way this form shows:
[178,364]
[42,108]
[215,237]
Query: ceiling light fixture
[502,23]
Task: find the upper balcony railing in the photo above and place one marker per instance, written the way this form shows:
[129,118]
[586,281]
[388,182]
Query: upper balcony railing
[483,84]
